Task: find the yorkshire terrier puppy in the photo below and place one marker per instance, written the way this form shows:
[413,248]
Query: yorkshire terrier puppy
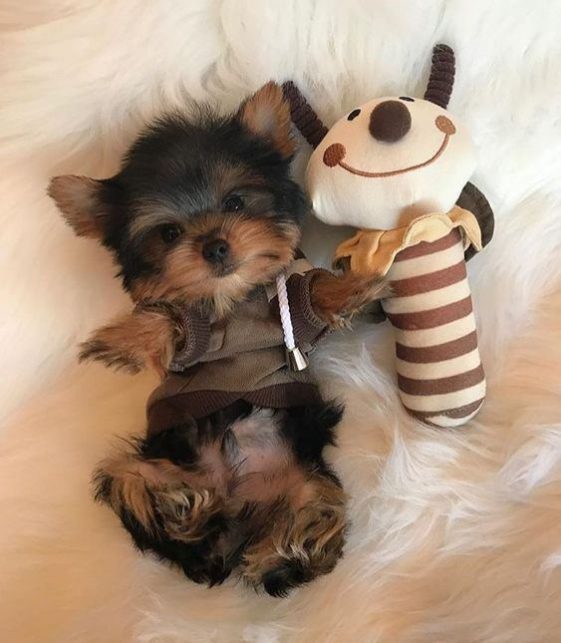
[230,477]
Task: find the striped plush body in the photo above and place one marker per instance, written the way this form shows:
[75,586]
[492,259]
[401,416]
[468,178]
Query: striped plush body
[440,376]
[397,169]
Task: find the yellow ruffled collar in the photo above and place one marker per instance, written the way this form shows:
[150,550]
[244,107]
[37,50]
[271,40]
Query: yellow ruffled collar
[371,252]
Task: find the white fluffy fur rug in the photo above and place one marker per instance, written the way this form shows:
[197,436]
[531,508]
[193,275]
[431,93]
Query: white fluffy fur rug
[456,536]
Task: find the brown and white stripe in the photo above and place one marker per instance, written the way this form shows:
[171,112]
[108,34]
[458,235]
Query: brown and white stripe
[440,376]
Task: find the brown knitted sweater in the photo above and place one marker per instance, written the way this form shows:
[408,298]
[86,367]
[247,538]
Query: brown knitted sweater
[241,357]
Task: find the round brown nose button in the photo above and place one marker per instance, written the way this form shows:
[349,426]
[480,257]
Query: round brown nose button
[390,121]
[334,154]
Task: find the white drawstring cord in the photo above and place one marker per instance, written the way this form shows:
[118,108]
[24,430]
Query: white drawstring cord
[284,308]
[296,359]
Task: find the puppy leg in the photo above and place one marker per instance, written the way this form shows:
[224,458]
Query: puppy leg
[300,538]
[309,429]
[145,337]
[337,298]
[167,507]
[294,511]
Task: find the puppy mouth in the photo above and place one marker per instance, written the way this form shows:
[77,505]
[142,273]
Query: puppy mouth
[224,269]
[335,153]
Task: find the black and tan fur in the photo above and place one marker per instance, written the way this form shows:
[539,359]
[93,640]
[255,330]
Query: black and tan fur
[245,489]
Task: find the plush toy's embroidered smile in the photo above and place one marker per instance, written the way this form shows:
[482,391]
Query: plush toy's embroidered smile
[335,153]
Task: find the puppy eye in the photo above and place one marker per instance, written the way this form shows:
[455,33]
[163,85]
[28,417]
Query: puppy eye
[353,114]
[233,203]
[407,99]
[170,232]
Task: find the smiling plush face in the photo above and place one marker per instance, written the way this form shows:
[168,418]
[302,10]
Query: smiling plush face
[389,161]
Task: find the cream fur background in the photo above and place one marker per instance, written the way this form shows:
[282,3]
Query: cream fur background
[456,535]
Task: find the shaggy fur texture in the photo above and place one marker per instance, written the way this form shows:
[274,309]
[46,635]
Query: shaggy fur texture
[201,215]
[456,535]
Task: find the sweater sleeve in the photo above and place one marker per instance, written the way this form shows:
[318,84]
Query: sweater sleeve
[308,326]
[195,327]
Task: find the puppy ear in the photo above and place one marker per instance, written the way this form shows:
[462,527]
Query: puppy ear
[267,115]
[80,199]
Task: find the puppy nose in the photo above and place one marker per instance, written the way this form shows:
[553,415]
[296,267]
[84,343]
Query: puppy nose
[216,251]
[390,121]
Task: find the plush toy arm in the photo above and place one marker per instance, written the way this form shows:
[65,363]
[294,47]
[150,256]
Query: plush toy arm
[473,200]
[440,376]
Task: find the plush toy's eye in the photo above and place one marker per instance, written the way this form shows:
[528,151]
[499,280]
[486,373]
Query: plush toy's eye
[406,98]
[233,203]
[170,232]
[353,114]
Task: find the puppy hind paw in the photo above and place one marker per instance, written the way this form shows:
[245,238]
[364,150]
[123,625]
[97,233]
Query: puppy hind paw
[302,539]
[282,579]
[189,515]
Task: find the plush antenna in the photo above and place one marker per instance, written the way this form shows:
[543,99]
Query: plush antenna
[303,116]
[441,80]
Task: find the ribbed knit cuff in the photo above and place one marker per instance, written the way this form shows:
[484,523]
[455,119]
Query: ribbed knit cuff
[196,329]
[308,326]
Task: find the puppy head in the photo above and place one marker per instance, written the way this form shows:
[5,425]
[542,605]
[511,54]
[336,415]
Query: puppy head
[201,210]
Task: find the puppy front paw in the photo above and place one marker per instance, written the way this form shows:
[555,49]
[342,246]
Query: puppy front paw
[337,298]
[99,348]
[145,337]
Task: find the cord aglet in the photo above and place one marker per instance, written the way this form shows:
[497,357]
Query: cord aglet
[296,359]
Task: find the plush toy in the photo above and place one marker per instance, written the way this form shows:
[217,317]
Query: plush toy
[398,169]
